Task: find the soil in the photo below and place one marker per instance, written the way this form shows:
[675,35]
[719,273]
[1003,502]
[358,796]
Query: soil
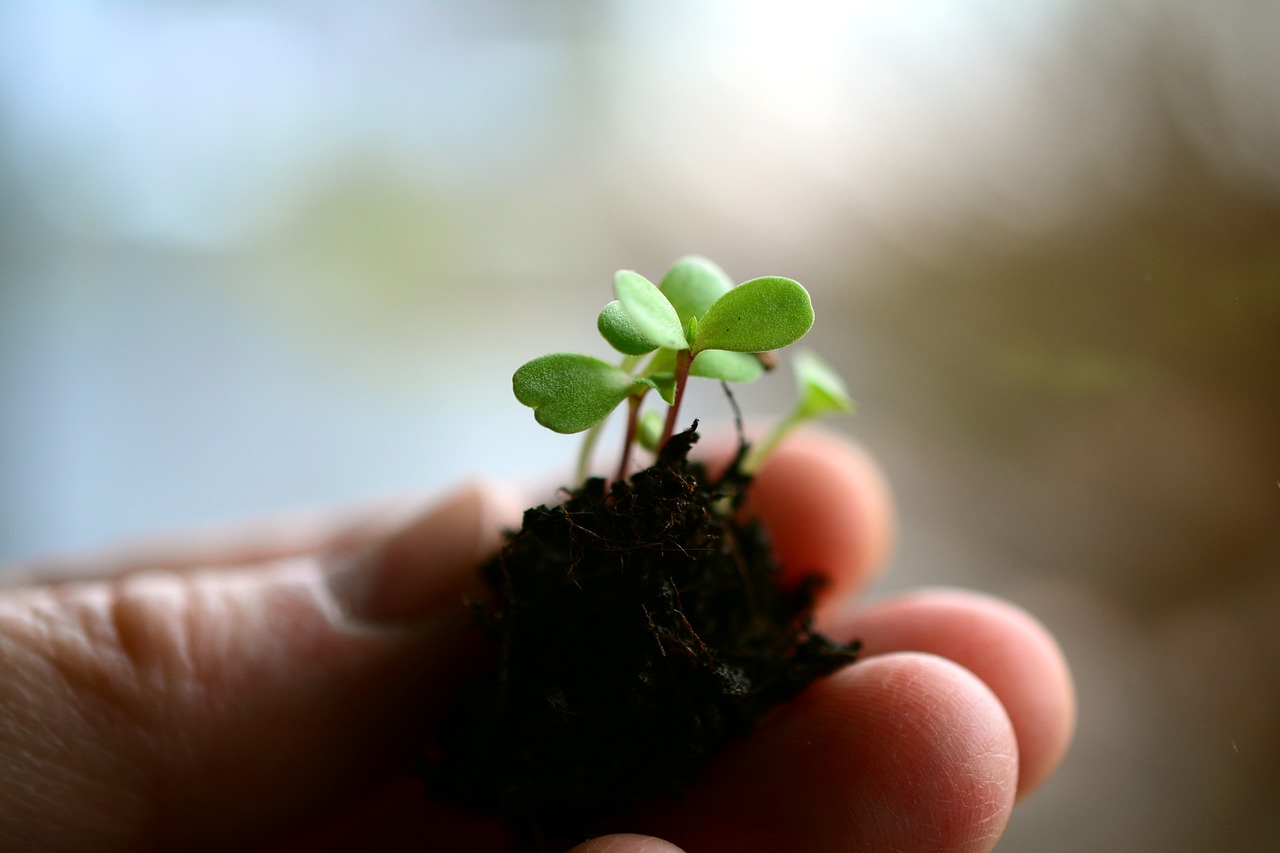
[639,628]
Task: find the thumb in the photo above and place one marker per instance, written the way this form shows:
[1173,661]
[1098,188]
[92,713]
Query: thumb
[208,706]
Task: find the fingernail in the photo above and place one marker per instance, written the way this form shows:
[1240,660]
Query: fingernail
[430,564]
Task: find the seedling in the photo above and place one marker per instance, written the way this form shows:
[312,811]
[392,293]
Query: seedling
[640,624]
[695,323]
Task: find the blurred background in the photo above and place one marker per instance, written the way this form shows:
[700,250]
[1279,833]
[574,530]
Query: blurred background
[257,257]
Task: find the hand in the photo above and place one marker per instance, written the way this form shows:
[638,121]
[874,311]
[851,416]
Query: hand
[260,689]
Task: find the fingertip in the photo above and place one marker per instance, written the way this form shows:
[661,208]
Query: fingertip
[907,751]
[626,843]
[1006,647]
[828,506]
[429,563]
[930,759]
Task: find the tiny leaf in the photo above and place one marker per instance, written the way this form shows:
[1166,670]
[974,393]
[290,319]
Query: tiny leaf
[649,431]
[570,392]
[820,388]
[727,366]
[820,392]
[661,369]
[693,285]
[663,383]
[761,314]
[615,325]
[651,312]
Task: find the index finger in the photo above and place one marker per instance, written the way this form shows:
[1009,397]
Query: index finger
[827,506]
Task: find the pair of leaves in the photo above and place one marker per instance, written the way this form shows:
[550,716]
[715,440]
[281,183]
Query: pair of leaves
[756,316]
[696,309]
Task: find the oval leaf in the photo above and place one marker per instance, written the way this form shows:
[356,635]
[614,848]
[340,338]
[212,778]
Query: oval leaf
[570,392]
[649,310]
[821,389]
[693,285]
[615,325]
[757,315]
[727,366]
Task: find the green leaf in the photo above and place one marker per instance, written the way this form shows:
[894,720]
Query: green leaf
[661,369]
[727,366]
[649,430]
[663,361]
[756,316]
[570,392]
[664,384]
[820,392]
[615,325]
[693,285]
[651,313]
[820,388]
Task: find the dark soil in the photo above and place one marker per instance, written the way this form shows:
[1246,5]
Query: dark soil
[639,628]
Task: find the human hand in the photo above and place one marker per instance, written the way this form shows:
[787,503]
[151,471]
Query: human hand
[261,690]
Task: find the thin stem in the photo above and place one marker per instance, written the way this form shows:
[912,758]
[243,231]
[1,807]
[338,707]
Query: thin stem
[584,453]
[684,359]
[633,419]
[760,450]
[628,364]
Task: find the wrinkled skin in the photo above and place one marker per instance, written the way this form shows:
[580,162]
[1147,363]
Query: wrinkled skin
[256,689]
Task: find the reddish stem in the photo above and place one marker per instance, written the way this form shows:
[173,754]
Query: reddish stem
[684,359]
[633,419]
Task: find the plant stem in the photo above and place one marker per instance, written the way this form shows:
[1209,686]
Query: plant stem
[584,454]
[684,359]
[760,450]
[633,419]
[628,364]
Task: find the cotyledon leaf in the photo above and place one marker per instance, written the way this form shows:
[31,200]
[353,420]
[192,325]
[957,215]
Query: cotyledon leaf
[650,311]
[616,327]
[693,284]
[820,388]
[727,366]
[569,392]
[758,315]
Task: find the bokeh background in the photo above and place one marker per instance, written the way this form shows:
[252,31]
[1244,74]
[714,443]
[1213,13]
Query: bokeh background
[263,256]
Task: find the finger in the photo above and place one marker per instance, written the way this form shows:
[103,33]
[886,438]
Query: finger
[901,752]
[827,506]
[211,705]
[1001,644]
[387,584]
[278,538]
[626,844]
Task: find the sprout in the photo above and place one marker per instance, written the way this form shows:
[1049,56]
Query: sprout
[696,324]
[821,392]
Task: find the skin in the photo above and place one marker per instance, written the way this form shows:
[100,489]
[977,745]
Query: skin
[256,689]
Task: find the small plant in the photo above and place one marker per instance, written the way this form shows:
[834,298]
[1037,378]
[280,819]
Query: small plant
[696,323]
[642,623]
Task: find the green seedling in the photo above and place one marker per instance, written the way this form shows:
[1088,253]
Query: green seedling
[821,392]
[648,604]
[695,323]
